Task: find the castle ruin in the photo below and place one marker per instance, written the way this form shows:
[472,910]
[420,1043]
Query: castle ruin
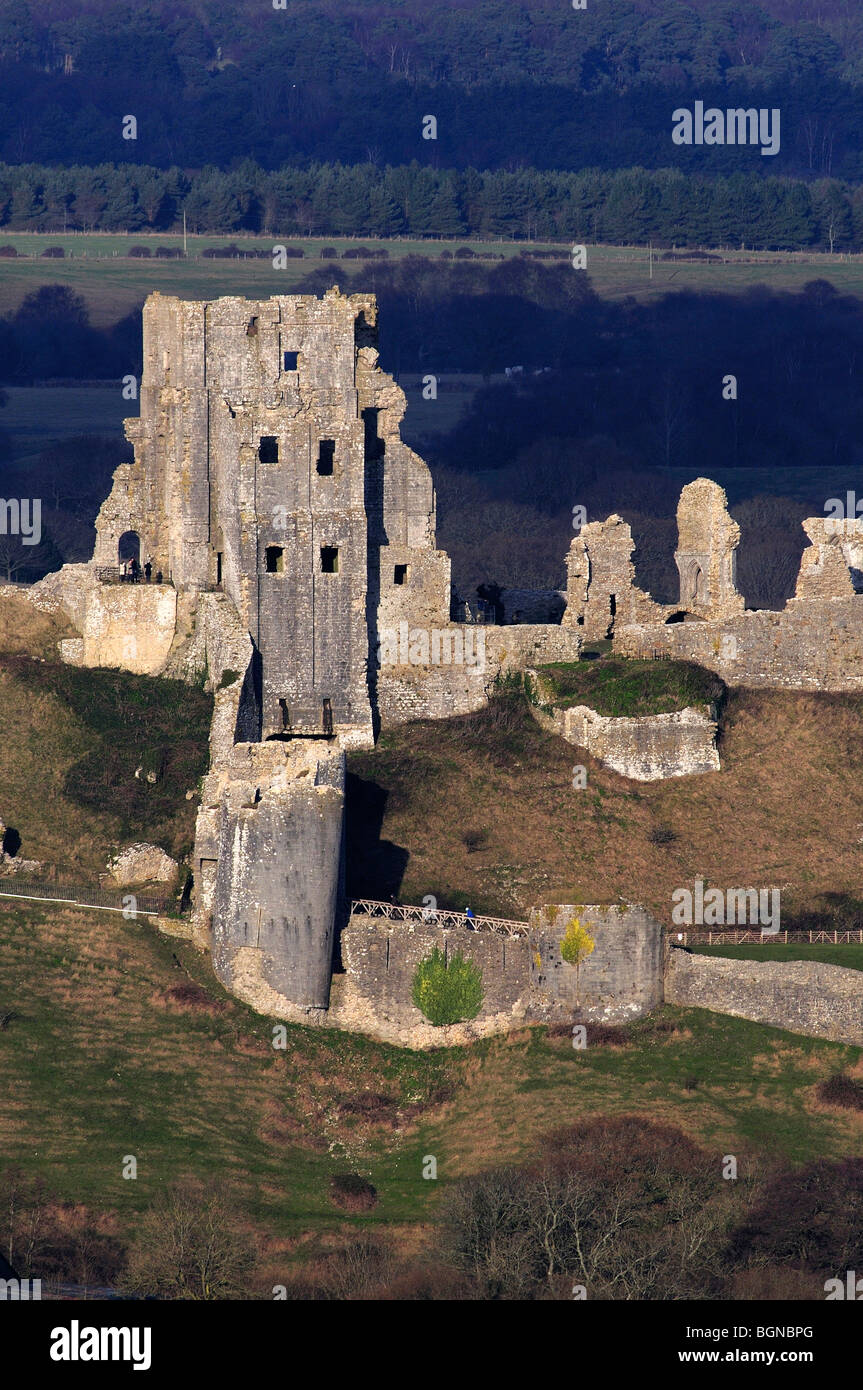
[290,535]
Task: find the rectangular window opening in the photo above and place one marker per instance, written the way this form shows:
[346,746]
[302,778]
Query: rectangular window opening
[291,361]
[275,557]
[329,559]
[268,449]
[400,576]
[326,457]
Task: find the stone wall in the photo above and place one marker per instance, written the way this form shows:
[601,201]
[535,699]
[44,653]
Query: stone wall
[525,978]
[601,589]
[648,748]
[812,644]
[127,625]
[271,828]
[406,691]
[822,1001]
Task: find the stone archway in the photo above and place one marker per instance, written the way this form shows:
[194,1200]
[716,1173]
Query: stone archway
[129,547]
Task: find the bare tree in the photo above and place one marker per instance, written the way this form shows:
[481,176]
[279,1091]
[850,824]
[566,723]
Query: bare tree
[190,1245]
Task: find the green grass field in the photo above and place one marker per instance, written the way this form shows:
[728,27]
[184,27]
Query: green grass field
[99,267]
[849,955]
[100,1060]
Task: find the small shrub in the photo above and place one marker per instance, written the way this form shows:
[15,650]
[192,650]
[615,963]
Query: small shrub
[474,840]
[8,252]
[169,252]
[228,678]
[464,252]
[142,252]
[447,991]
[577,943]
[54,252]
[841,1090]
[328,253]
[691,1083]
[352,1193]
[661,835]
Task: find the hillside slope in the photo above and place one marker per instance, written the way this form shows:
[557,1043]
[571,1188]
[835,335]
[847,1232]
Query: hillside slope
[482,810]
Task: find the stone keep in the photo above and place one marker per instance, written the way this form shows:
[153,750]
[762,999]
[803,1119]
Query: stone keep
[268,462]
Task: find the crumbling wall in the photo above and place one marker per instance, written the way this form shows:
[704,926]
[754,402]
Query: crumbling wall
[648,748]
[408,691]
[130,626]
[824,571]
[822,1001]
[706,555]
[601,591]
[270,865]
[814,644]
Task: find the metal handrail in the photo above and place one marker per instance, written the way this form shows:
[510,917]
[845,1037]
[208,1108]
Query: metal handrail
[435,917]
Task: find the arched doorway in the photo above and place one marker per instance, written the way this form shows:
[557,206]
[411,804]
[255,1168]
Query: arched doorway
[129,547]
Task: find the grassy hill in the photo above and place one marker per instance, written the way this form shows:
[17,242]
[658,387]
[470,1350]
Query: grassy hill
[482,810]
[73,740]
[121,1042]
[618,687]
[117,1041]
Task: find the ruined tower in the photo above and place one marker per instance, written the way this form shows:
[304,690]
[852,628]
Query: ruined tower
[268,465]
[706,554]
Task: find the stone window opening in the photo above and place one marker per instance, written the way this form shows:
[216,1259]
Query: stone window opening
[268,449]
[285,713]
[329,559]
[327,715]
[218,566]
[400,574]
[326,458]
[252,327]
[290,361]
[275,559]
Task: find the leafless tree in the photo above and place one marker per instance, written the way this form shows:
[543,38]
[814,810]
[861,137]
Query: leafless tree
[190,1245]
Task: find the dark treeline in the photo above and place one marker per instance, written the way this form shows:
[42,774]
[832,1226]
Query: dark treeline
[646,376]
[529,83]
[632,391]
[628,206]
